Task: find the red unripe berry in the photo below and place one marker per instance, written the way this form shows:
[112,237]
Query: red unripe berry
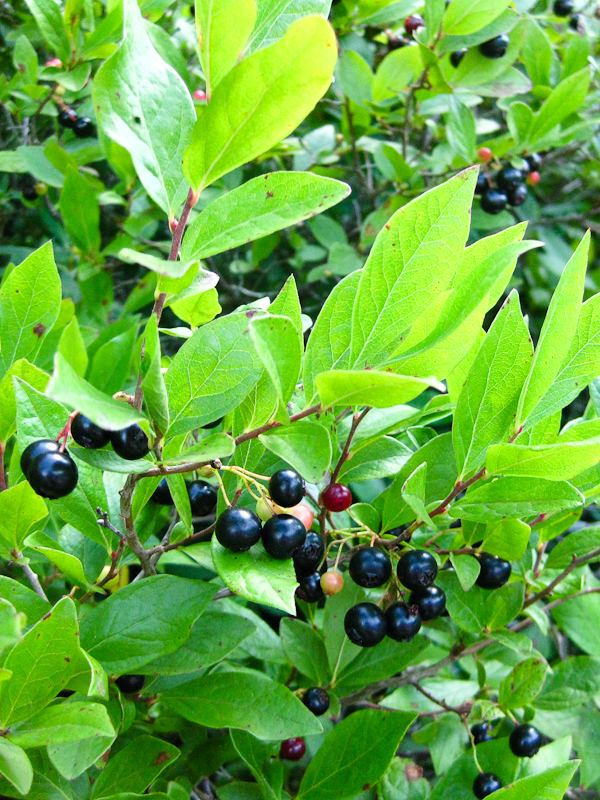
[336,497]
[484,154]
[53,62]
[292,749]
[534,178]
[200,95]
[303,513]
[332,582]
[413,23]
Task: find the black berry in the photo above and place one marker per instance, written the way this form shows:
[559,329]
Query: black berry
[286,488]
[509,178]
[534,162]
[282,535]
[396,42]
[365,624]
[53,475]
[88,434]
[162,494]
[485,784]
[417,569]
[482,185]
[203,498]
[130,443]
[525,741]
[494,201]
[29,193]
[562,8]
[67,118]
[309,555]
[481,732]
[457,56]
[518,196]
[494,571]
[36,449]
[370,567]
[431,602]
[292,749]
[316,700]
[403,622]
[84,128]
[130,684]
[496,47]
[309,588]
[238,529]
[576,23]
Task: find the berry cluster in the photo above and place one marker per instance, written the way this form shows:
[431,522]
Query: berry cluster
[507,187]
[82,127]
[524,742]
[565,8]
[51,471]
[493,48]
[411,25]
[202,496]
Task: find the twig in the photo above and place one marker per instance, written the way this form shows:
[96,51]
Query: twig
[29,574]
[356,420]
[547,590]
[132,538]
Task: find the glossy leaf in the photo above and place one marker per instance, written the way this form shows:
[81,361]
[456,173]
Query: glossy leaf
[134,767]
[64,722]
[221,43]
[15,766]
[370,388]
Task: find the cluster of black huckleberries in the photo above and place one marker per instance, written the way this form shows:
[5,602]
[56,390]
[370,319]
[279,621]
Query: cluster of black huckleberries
[82,127]
[524,742]
[507,186]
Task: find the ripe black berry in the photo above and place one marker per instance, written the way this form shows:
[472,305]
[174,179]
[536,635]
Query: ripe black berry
[457,56]
[365,624]
[238,529]
[203,498]
[282,535]
[84,128]
[403,622]
[67,118]
[525,741]
[370,567]
[496,47]
[130,443]
[88,434]
[292,749]
[162,494]
[481,732]
[562,8]
[53,475]
[336,497]
[316,700]
[494,201]
[396,42]
[286,488]
[482,185]
[518,196]
[36,449]
[416,569]
[509,178]
[29,193]
[309,588]
[130,684]
[309,555]
[485,784]
[534,162]
[494,571]
[431,602]
[576,23]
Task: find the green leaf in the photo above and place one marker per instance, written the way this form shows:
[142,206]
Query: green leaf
[221,43]
[378,458]
[570,684]
[414,493]
[41,663]
[397,70]
[280,346]
[467,570]
[575,545]
[579,619]
[564,100]
[153,382]
[507,539]
[275,16]
[72,347]
[523,683]
[49,20]
[229,700]
[80,210]
[355,77]
[25,600]
[486,408]
[561,461]
[557,332]
[355,754]
[464,17]
[549,785]
[397,282]
[142,104]
[162,266]
[257,756]
[134,767]
[258,208]
[212,373]
[370,388]
[15,766]
[516,497]
[256,576]
[378,663]
[143,621]
[460,130]
[304,648]
[29,304]
[304,445]
[63,722]
[20,509]
[261,101]
[476,609]
[195,305]
[66,386]
[8,405]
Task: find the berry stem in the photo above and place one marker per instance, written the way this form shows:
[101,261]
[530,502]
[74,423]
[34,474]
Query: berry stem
[66,431]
